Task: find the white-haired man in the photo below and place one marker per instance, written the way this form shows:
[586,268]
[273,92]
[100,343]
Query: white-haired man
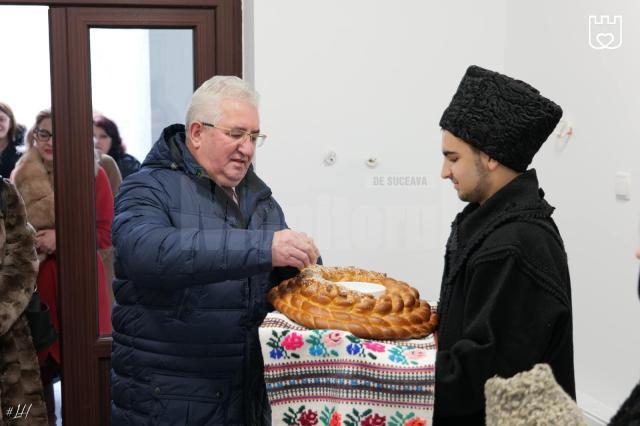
[199,240]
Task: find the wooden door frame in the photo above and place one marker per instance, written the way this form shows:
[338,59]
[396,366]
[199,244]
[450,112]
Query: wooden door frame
[217,26]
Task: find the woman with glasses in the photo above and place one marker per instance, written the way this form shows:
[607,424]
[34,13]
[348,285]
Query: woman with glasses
[11,134]
[33,177]
[108,141]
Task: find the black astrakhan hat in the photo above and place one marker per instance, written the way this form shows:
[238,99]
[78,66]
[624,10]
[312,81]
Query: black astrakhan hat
[503,117]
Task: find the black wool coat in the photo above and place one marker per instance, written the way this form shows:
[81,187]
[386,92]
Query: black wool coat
[10,155]
[505,300]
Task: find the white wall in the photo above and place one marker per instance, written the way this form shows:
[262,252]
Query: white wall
[371,78]
[171,78]
[143,80]
[366,79]
[120,84]
[547,44]
[25,83]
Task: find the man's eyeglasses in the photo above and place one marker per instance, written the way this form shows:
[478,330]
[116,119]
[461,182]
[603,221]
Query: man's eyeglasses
[43,135]
[239,134]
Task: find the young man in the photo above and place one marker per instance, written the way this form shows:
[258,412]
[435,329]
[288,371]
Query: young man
[505,300]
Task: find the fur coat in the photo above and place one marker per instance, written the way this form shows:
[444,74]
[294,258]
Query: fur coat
[530,398]
[34,181]
[21,397]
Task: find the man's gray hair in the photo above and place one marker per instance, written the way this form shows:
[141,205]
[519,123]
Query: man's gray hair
[206,100]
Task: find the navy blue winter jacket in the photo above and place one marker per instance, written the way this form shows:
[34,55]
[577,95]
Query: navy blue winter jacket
[192,270]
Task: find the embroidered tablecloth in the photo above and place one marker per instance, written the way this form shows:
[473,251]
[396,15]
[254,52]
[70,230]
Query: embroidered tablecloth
[333,378]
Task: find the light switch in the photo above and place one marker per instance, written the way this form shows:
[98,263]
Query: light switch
[622,186]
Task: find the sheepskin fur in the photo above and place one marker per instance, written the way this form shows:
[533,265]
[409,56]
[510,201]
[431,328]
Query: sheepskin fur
[530,398]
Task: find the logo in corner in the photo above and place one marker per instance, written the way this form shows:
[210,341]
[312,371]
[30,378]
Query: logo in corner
[605,32]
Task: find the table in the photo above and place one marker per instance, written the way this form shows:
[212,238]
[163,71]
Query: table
[333,378]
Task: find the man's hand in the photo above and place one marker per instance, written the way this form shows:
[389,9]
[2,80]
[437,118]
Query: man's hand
[291,248]
[46,241]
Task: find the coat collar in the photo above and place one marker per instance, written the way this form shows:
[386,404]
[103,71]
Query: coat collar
[34,183]
[170,151]
[521,198]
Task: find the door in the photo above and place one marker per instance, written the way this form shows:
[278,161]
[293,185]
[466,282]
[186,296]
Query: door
[216,29]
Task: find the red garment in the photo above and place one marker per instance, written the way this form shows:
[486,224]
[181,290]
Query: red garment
[48,289]
[104,210]
[104,217]
[48,271]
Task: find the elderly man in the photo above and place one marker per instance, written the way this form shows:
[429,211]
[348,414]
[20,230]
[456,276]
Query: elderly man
[199,240]
[505,300]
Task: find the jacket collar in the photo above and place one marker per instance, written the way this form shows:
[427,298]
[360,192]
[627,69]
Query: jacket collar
[520,198]
[170,151]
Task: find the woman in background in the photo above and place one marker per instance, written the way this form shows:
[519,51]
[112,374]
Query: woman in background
[108,141]
[33,177]
[11,135]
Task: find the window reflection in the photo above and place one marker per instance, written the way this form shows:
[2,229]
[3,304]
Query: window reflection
[141,81]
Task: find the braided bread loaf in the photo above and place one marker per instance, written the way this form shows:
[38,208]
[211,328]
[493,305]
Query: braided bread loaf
[314,299]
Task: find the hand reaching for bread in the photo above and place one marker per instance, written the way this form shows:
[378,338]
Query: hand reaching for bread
[291,248]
